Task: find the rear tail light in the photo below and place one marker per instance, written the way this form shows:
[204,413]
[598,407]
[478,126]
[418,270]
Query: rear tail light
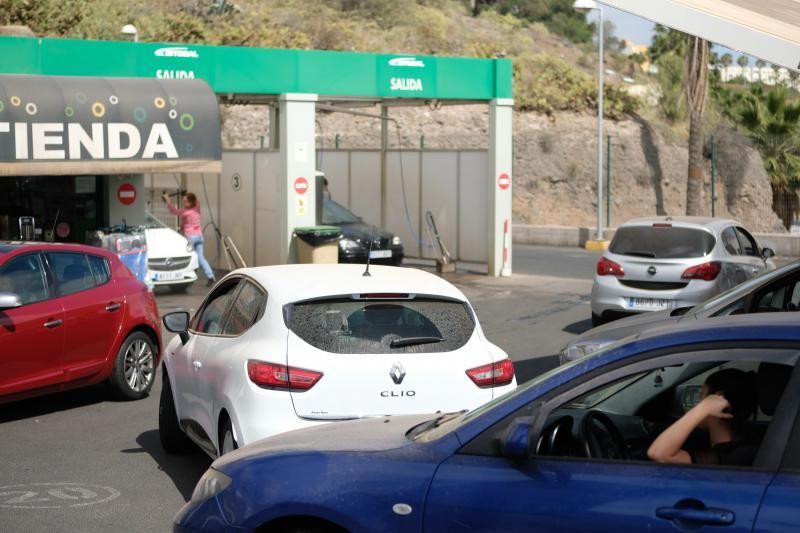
[607,267]
[281,377]
[493,374]
[706,271]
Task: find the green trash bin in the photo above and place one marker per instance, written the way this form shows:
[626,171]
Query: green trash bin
[317,244]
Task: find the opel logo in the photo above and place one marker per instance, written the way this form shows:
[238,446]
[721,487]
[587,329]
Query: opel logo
[397,373]
[168,261]
[652,271]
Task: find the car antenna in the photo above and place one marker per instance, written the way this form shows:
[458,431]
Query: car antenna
[366,273]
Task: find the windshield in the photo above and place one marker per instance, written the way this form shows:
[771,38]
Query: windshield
[662,242]
[745,288]
[151,222]
[334,213]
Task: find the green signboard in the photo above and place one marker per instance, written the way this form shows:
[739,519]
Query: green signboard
[261,71]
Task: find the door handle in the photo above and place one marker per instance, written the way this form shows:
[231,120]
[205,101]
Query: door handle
[113,307]
[711,517]
[50,324]
[197,364]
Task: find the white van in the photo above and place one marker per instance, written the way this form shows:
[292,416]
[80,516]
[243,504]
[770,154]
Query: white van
[171,261]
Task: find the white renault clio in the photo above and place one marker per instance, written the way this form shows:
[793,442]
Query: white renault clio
[273,349]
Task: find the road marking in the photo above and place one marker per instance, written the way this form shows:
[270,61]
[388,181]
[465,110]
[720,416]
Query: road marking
[55,495]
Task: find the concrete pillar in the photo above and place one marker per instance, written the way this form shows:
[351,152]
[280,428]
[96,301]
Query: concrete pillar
[298,156]
[499,186]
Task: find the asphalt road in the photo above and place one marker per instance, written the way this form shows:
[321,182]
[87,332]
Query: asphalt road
[79,461]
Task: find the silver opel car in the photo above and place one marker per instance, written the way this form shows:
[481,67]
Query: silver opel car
[655,264]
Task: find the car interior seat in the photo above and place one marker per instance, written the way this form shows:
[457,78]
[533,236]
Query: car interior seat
[771,385]
[76,277]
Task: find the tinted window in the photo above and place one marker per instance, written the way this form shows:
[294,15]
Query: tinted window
[349,326]
[100,269]
[211,316]
[731,242]
[72,272]
[334,213]
[748,243]
[662,242]
[24,276]
[246,309]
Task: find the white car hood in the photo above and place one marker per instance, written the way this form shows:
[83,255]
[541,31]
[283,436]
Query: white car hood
[164,242]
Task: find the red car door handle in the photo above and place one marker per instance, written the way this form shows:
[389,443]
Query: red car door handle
[710,517]
[53,323]
[113,307]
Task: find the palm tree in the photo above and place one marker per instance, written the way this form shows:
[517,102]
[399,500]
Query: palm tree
[726,59]
[760,63]
[743,61]
[695,88]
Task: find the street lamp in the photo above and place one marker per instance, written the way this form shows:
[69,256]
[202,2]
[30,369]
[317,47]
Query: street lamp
[584,6]
[131,31]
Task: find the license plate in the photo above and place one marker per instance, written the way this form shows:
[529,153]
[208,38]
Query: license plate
[648,303]
[167,276]
[380,254]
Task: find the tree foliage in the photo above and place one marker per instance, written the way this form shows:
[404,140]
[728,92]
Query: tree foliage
[558,15]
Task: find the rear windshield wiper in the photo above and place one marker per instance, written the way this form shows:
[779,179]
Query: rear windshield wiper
[641,254]
[413,341]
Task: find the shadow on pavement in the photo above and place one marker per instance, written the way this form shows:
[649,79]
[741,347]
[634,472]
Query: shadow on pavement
[183,470]
[53,403]
[577,328]
[530,368]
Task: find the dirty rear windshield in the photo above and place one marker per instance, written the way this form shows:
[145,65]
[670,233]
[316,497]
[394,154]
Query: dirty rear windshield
[372,326]
[662,242]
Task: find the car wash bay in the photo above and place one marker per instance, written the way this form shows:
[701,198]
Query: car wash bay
[255,200]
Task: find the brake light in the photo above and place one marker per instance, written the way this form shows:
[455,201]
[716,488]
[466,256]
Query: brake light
[281,377]
[384,296]
[493,374]
[706,271]
[662,225]
[607,267]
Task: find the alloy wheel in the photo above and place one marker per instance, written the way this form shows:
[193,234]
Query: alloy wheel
[139,368]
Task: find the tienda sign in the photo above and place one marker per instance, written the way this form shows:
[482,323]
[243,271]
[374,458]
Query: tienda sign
[59,141]
[47,123]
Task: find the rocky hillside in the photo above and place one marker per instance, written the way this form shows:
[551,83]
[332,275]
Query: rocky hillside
[554,161]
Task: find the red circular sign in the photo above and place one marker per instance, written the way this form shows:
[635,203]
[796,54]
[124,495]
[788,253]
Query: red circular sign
[504,181]
[126,194]
[300,185]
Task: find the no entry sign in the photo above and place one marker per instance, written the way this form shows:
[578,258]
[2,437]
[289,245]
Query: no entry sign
[300,185]
[504,181]
[126,194]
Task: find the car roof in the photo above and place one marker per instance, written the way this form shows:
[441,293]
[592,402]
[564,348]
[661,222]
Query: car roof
[683,221]
[18,247]
[783,326]
[294,283]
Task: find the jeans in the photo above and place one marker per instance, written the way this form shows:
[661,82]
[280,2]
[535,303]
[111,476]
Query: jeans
[197,243]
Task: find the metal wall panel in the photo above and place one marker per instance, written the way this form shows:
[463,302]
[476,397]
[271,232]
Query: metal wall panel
[407,228]
[440,197]
[365,185]
[336,166]
[473,216]
[268,208]
[237,207]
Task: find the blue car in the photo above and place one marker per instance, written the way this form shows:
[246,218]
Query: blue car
[565,452]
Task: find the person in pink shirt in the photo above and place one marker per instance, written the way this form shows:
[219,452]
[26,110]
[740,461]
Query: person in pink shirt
[189,216]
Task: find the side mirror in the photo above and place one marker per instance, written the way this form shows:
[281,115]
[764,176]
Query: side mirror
[178,322]
[766,253]
[9,300]
[516,441]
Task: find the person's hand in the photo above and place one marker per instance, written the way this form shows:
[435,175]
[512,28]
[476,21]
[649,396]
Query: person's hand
[715,405]
[165,196]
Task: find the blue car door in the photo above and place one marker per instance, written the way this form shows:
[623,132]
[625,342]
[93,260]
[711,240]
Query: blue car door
[474,493]
[480,489]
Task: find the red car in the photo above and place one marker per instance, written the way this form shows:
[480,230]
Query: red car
[72,316]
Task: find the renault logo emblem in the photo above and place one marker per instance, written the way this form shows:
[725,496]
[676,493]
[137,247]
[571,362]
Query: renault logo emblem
[397,373]
[652,271]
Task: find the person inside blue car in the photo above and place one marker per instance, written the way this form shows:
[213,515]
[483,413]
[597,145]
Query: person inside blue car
[728,401]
